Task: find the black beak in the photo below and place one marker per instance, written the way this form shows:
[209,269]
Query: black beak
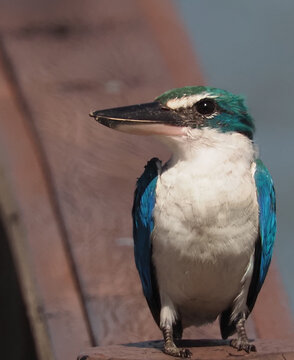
[137,115]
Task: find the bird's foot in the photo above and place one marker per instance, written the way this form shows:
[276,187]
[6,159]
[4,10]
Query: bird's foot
[243,344]
[173,350]
[170,347]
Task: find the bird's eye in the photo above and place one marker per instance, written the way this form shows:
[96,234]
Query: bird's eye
[205,106]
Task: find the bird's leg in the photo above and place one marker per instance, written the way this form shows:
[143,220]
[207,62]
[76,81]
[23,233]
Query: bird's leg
[242,342]
[170,321]
[170,347]
[177,330]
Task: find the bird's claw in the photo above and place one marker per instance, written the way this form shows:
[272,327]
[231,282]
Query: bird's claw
[243,345]
[177,352]
[185,353]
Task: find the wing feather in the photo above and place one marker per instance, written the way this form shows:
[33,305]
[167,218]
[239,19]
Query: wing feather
[264,243]
[143,224]
[267,229]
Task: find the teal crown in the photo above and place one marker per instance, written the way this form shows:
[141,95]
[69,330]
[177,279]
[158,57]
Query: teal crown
[231,115]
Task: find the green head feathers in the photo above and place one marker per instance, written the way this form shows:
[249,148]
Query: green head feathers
[204,106]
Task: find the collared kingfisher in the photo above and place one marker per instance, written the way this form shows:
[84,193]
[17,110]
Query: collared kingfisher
[204,223]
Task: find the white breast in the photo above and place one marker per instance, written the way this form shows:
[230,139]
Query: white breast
[206,223]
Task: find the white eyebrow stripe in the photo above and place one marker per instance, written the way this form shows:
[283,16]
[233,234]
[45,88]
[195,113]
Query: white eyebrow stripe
[187,101]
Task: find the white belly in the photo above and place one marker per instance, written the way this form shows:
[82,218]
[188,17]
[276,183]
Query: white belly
[206,223]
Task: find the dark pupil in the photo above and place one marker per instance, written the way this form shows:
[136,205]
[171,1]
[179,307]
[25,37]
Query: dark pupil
[205,107]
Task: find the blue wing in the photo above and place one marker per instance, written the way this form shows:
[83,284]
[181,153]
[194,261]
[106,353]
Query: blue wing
[267,230]
[264,243]
[143,224]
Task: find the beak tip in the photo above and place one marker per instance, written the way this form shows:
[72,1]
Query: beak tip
[93,115]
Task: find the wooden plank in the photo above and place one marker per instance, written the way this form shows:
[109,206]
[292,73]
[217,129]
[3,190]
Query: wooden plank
[48,285]
[201,349]
[15,325]
[17,238]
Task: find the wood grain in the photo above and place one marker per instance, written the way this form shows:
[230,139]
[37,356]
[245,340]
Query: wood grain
[47,282]
[202,349]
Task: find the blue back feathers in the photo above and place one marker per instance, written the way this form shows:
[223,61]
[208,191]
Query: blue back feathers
[267,217]
[143,224]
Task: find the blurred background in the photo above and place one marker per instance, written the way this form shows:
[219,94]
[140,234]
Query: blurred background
[67,273]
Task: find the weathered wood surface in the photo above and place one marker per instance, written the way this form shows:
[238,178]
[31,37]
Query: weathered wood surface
[46,277]
[71,181]
[201,349]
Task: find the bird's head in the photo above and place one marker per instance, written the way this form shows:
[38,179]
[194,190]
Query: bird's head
[182,110]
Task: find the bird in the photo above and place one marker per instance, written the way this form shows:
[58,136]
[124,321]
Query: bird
[204,223]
